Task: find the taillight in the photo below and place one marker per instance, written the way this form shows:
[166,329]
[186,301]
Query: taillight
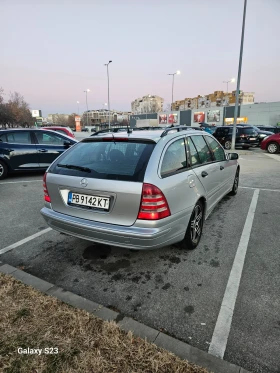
[46,193]
[153,204]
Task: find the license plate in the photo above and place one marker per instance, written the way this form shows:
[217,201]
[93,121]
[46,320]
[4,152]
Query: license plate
[252,138]
[77,199]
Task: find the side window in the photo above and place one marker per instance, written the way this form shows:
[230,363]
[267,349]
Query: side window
[194,157]
[47,138]
[218,151]
[202,149]
[3,138]
[19,137]
[174,158]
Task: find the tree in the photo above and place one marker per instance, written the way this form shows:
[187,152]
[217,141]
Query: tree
[71,120]
[60,119]
[15,112]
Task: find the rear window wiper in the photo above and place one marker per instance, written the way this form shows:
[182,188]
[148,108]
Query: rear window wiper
[74,167]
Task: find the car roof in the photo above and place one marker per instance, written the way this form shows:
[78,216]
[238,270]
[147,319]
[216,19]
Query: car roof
[155,135]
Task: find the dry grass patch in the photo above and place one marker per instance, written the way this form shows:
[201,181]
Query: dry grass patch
[30,319]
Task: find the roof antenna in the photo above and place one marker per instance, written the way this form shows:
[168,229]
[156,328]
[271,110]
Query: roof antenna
[129,130]
[113,137]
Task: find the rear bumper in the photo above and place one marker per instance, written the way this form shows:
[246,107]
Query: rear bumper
[128,237]
[247,143]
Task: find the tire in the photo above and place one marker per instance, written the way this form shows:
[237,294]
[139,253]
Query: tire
[245,147]
[235,184]
[227,145]
[3,170]
[273,148]
[193,236]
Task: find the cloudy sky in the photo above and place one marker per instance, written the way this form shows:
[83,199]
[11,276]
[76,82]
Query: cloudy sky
[52,50]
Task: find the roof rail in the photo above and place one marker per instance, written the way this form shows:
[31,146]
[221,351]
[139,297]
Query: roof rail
[178,128]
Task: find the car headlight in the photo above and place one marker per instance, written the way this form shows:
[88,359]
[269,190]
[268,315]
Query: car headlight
[266,137]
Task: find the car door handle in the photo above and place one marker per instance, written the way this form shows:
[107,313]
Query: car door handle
[221,168]
[42,150]
[204,173]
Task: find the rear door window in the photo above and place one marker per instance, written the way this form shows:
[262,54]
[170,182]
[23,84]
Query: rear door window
[119,160]
[48,138]
[202,148]
[174,158]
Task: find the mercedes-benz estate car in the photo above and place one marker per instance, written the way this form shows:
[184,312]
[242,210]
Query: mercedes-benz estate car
[139,190]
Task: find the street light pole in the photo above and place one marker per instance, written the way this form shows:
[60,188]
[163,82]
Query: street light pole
[173,74]
[228,81]
[107,64]
[86,92]
[238,78]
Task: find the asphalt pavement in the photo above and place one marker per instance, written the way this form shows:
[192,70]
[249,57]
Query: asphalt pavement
[172,290]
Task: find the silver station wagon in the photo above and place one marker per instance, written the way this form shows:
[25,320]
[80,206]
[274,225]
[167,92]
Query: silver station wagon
[139,190]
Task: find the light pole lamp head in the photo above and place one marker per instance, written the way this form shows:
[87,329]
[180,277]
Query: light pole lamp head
[178,72]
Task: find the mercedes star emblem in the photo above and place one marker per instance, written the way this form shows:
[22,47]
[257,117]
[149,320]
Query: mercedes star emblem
[84,182]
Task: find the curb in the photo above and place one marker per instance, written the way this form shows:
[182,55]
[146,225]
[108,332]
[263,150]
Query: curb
[179,348]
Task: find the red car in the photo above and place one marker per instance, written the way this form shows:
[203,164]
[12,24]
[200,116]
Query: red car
[64,130]
[271,143]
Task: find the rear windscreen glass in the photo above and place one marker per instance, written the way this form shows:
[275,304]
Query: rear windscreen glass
[105,160]
[249,131]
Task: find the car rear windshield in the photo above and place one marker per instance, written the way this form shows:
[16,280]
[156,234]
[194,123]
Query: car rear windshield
[249,131]
[119,160]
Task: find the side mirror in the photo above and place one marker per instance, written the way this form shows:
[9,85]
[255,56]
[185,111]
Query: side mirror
[232,156]
[67,144]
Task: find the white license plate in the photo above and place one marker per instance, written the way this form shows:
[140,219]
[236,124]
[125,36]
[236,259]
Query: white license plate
[252,138]
[98,202]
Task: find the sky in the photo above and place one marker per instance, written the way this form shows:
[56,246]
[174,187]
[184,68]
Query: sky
[53,50]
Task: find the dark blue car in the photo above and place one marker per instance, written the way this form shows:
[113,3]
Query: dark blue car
[30,149]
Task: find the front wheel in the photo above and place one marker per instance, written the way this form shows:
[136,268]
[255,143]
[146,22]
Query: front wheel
[3,170]
[235,184]
[273,148]
[195,226]
[227,145]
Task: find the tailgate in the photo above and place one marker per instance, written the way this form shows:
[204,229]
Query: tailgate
[123,198]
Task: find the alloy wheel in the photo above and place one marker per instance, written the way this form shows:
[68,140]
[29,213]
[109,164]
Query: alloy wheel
[228,145]
[1,170]
[272,148]
[196,224]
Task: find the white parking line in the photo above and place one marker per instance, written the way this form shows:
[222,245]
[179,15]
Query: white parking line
[274,156]
[265,189]
[221,332]
[17,182]
[21,242]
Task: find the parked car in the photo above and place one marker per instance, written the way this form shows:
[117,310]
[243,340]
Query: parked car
[271,143]
[246,136]
[30,149]
[261,134]
[64,130]
[139,190]
[273,129]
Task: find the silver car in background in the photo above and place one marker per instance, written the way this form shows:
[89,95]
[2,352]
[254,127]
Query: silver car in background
[140,190]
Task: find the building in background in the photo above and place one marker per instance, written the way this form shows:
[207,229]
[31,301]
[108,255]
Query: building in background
[58,119]
[147,104]
[101,117]
[216,99]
